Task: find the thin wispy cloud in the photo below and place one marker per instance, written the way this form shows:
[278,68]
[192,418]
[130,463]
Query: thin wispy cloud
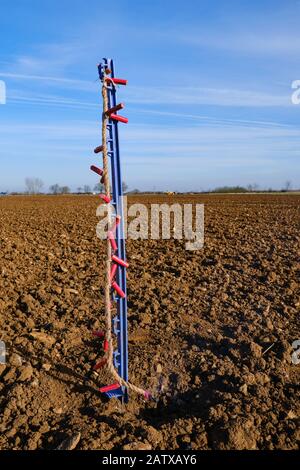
[63,82]
[257,43]
[213,120]
[20,97]
[209,96]
[160,137]
[50,100]
[170,95]
[55,58]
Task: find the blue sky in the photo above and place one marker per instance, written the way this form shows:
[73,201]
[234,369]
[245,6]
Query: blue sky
[208,97]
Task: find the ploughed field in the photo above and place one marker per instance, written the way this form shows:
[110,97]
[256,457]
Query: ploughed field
[210,331]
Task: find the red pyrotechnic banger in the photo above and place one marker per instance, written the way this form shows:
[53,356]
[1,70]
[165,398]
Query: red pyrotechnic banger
[113,271]
[116,117]
[118,289]
[117,81]
[114,109]
[96,170]
[119,261]
[98,149]
[112,240]
[105,198]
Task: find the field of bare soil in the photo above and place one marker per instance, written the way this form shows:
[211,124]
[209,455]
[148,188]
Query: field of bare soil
[210,330]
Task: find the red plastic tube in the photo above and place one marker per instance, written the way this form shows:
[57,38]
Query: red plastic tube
[99,334]
[118,289]
[118,81]
[116,117]
[116,223]
[113,272]
[112,240]
[105,198]
[96,170]
[114,109]
[98,149]
[100,364]
[119,261]
[108,388]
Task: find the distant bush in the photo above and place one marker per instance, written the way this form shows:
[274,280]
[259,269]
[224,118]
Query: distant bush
[56,189]
[134,191]
[230,189]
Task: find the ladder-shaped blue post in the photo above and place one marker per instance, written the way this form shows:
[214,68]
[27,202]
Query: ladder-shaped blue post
[120,320]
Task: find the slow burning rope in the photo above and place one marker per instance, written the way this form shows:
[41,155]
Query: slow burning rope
[108,316]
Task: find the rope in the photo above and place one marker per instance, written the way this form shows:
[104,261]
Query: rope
[108,316]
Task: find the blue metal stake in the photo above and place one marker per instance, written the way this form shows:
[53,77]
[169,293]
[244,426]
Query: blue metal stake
[120,321]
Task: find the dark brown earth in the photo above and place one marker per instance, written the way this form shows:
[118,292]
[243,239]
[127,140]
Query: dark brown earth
[211,330]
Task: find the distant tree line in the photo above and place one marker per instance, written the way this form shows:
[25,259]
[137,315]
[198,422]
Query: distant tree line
[34,185]
[249,188]
[56,189]
[85,189]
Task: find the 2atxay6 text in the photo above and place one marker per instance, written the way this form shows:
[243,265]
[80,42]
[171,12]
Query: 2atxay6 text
[150,459]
